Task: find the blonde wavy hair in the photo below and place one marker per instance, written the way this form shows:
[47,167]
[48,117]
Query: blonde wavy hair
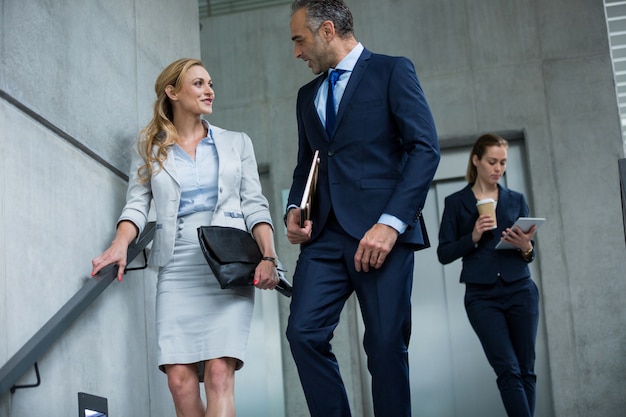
[161,132]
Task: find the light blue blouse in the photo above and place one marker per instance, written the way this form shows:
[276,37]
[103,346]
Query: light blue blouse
[198,179]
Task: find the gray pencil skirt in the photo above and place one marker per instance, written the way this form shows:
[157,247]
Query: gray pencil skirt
[196,320]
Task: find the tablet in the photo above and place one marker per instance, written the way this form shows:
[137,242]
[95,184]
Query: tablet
[524,223]
[309,190]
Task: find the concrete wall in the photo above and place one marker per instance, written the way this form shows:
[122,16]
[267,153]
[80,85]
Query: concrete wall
[88,68]
[540,67]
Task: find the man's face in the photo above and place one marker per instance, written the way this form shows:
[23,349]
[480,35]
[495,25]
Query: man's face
[308,45]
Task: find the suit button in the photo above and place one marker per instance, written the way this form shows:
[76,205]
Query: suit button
[331,153]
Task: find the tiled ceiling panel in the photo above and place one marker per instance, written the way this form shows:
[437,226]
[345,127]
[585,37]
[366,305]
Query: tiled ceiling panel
[616,21]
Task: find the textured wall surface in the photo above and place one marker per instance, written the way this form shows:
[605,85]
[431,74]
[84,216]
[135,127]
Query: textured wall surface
[88,70]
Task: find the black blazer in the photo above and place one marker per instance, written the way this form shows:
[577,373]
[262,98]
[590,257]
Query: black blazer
[382,156]
[482,263]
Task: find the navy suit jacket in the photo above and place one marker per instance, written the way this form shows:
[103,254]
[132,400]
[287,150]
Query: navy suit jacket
[383,153]
[482,264]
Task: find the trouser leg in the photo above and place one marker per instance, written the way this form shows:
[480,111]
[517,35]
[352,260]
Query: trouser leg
[320,289]
[500,317]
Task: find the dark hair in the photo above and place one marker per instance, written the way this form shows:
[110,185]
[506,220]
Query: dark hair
[480,147]
[318,11]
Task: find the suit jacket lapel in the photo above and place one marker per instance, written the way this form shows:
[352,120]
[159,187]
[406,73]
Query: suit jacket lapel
[468,199]
[355,78]
[504,200]
[169,165]
[308,102]
[219,139]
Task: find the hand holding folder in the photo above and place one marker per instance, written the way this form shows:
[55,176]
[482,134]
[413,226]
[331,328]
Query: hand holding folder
[309,190]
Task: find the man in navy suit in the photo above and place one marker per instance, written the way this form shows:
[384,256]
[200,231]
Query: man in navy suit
[376,165]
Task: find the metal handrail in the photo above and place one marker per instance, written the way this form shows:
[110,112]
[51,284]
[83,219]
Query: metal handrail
[29,354]
[622,180]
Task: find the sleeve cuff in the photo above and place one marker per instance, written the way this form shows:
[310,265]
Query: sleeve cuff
[393,221]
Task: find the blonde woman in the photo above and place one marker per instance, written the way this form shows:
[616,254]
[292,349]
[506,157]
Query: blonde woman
[194,174]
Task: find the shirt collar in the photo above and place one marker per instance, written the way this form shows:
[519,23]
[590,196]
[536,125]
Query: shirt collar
[209,137]
[349,61]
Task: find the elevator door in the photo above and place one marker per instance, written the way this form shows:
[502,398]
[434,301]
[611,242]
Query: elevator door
[450,376]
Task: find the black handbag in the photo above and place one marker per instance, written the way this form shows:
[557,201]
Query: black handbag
[233,255]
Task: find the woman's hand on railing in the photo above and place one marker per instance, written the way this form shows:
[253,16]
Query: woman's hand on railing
[117,252]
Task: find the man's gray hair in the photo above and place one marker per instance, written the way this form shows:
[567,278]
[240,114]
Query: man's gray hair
[318,11]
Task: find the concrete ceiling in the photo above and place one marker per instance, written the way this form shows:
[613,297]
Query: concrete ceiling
[218,7]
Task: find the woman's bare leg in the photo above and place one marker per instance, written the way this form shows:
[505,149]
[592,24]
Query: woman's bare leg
[184,385]
[219,383]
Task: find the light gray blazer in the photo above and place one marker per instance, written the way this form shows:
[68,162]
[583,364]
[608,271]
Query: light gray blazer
[240,202]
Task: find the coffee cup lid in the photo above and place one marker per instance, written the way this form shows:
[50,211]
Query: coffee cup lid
[485,201]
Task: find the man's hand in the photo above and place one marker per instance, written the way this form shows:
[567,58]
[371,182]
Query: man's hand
[374,247]
[295,233]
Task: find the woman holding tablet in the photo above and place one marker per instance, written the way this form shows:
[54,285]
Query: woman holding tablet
[501,300]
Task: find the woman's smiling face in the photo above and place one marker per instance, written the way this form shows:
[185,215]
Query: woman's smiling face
[196,92]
